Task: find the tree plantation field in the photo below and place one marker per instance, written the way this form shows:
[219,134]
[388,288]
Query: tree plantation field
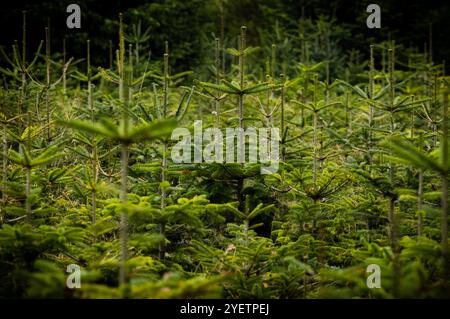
[111,189]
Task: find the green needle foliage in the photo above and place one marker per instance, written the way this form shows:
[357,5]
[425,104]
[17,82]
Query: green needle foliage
[88,177]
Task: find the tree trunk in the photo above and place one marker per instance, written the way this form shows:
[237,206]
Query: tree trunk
[444,200]
[419,205]
[124,215]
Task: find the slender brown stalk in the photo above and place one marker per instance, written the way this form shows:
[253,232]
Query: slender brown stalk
[283,137]
[94,154]
[64,70]
[162,226]
[444,181]
[419,205]
[393,218]
[123,279]
[47,67]
[371,107]
[241,96]
[124,215]
[315,146]
[217,67]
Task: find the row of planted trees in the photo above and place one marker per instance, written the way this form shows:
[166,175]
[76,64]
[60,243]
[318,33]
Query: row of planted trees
[88,179]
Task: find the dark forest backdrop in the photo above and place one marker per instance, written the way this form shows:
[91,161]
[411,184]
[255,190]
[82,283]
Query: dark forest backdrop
[187,23]
[89,176]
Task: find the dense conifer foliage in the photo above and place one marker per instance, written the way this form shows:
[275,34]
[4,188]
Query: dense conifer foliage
[89,176]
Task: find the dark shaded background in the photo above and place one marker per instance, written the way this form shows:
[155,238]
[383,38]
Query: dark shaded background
[185,23]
